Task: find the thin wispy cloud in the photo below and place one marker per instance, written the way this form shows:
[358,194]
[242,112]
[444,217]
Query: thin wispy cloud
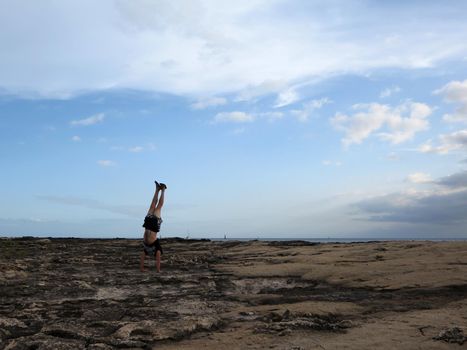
[393,156]
[331,163]
[233,117]
[136,149]
[308,108]
[389,91]
[106,163]
[271,116]
[286,98]
[252,92]
[209,102]
[94,119]
[76,138]
[148,147]
[238,131]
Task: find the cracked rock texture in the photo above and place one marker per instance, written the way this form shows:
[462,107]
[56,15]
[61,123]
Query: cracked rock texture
[90,294]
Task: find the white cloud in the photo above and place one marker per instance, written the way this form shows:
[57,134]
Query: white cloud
[331,163]
[455,92]
[389,91]
[286,98]
[207,47]
[393,156]
[238,131]
[209,102]
[234,117]
[151,147]
[319,103]
[136,149]
[250,92]
[271,116]
[106,163]
[307,108]
[443,203]
[76,138]
[401,123]
[447,143]
[94,119]
[419,178]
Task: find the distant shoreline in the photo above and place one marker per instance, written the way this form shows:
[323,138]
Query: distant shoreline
[243,239]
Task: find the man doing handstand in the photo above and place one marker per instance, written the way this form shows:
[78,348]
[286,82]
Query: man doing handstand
[152,225]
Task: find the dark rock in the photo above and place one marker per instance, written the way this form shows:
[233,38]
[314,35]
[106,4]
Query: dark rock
[136,344]
[284,332]
[452,335]
[99,346]
[286,323]
[272,317]
[381,249]
[296,243]
[246,313]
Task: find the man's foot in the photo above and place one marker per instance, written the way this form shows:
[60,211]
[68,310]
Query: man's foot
[158,185]
[163,186]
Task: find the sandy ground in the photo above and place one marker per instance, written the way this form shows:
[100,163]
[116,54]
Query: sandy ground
[89,294]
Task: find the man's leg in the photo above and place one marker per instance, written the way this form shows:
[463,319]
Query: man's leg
[154,202]
[160,203]
[158,261]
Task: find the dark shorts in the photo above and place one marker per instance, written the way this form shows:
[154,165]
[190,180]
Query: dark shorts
[152,223]
[151,249]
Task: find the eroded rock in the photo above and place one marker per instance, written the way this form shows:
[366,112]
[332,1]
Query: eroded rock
[452,335]
[76,294]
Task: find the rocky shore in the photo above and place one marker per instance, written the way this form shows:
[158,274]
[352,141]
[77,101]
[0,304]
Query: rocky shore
[90,294]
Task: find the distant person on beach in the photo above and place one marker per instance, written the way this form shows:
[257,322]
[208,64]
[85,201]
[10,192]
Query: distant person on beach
[152,225]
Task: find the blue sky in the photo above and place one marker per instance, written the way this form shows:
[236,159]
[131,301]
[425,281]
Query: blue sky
[264,118]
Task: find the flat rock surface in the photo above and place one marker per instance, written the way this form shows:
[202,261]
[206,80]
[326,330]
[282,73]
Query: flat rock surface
[90,294]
